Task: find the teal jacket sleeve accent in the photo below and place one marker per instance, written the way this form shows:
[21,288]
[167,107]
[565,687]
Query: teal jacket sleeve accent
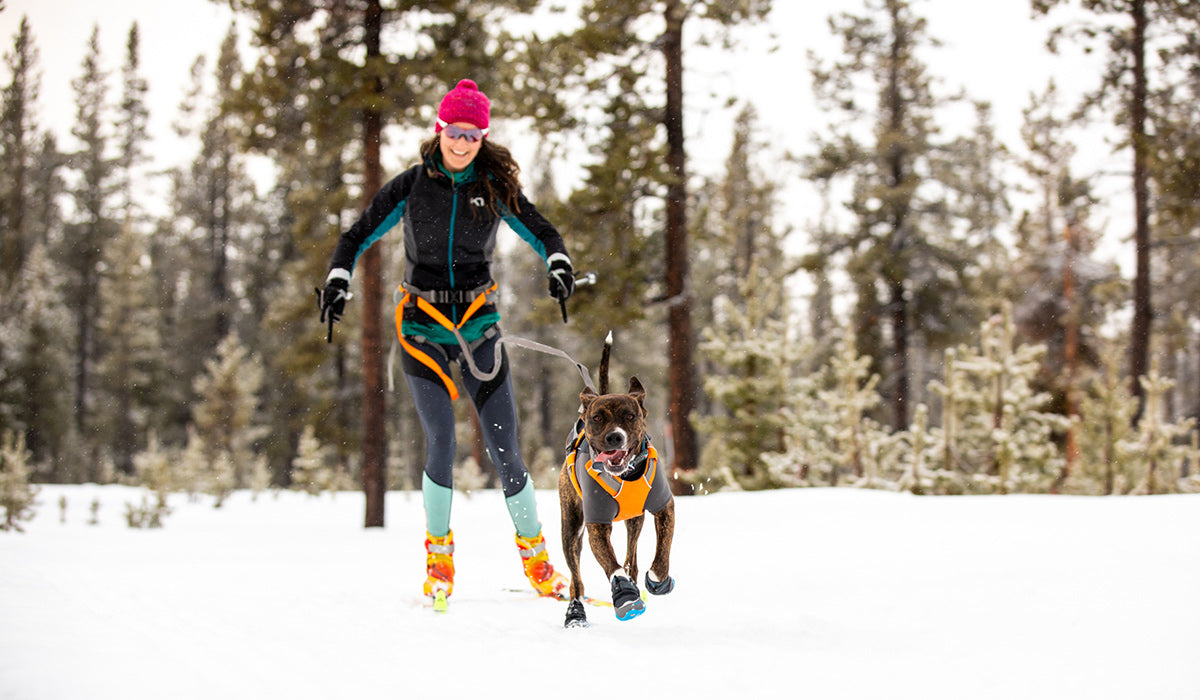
[381,216]
[534,229]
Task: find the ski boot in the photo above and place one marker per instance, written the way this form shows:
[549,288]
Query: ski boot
[439,569]
[627,599]
[542,576]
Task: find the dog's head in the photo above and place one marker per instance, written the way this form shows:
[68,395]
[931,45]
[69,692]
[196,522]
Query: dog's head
[615,426]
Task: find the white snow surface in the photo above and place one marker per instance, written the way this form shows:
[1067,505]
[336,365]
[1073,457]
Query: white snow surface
[817,593]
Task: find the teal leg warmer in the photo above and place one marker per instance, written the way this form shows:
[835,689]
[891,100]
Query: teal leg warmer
[437,507]
[522,508]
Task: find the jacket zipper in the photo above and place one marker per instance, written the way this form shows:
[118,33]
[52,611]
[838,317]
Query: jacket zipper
[450,248]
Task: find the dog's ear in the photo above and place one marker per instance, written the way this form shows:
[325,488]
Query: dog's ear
[586,397]
[637,392]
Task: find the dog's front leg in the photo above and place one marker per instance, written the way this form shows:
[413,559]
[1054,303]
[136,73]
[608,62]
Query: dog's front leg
[664,530]
[633,530]
[600,538]
[627,600]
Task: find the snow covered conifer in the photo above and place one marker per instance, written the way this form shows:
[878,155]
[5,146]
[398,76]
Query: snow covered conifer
[753,353]
[17,495]
[828,435]
[1001,436]
[1158,452]
[226,419]
[310,466]
[1106,411]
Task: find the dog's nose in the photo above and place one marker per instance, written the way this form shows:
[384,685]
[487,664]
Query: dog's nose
[614,440]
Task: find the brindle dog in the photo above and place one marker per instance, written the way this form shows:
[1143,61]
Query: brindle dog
[614,426]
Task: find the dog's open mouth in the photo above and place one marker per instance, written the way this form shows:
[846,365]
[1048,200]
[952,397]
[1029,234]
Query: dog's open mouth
[613,460]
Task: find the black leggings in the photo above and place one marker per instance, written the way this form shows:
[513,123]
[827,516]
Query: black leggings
[493,402]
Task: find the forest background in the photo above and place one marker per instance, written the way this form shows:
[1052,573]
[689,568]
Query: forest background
[888,281]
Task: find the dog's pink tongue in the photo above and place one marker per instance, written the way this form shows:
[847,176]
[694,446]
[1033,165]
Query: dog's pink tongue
[610,456]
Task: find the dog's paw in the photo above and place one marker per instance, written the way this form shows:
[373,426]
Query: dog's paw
[627,599]
[576,616]
[659,587]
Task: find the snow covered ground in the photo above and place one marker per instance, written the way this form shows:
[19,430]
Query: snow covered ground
[811,593]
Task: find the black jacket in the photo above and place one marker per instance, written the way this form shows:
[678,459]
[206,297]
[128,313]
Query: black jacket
[449,231]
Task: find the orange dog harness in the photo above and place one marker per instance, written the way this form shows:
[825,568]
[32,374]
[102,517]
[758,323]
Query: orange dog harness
[630,495]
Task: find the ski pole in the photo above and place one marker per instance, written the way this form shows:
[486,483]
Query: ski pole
[582,280]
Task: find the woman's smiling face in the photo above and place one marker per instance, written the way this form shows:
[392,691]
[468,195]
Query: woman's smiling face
[457,153]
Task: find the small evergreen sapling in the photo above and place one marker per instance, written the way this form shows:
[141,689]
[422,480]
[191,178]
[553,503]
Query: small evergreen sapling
[17,494]
[1157,451]
[153,469]
[311,471]
[993,426]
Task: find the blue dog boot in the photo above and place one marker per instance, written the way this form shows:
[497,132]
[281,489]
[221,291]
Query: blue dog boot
[627,599]
[659,587]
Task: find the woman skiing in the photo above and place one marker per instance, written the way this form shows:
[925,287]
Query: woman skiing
[450,206]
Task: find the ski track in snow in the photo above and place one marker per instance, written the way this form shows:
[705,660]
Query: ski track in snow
[824,593]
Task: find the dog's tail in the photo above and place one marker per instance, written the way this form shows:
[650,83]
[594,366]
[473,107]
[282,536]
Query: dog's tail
[604,364]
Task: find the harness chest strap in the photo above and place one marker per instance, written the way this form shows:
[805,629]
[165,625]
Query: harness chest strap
[424,305]
[630,495]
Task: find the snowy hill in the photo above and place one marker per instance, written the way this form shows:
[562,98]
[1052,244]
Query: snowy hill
[805,593]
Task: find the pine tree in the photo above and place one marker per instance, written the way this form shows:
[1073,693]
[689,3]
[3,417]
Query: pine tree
[312,471]
[17,495]
[906,259]
[130,371]
[132,136]
[747,344]
[226,416]
[89,234]
[1136,33]
[1105,425]
[18,137]
[36,372]
[829,435]
[994,428]
[1060,293]
[1159,449]
[753,355]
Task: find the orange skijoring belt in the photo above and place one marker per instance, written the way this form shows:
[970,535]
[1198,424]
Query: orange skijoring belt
[423,357]
[630,495]
[477,303]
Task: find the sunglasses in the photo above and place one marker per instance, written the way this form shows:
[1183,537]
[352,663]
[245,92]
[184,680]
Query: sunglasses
[471,135]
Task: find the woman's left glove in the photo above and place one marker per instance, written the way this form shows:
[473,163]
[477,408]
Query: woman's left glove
[562,277]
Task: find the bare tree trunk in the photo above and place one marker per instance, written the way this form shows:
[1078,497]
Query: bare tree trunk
[1070,357]
[1139,343]
[374,447]
[897,156]
[679,310]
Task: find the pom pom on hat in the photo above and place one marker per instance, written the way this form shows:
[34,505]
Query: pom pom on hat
[465,103]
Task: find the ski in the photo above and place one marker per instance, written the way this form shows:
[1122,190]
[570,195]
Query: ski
[597,602]
[439,602]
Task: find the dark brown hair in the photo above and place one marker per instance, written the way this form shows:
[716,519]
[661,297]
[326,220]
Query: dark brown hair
[495,169]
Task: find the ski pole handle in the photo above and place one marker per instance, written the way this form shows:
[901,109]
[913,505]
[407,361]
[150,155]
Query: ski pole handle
[581,280]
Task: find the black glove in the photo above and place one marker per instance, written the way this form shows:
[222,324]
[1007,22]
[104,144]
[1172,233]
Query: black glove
[332,302]
[562,277]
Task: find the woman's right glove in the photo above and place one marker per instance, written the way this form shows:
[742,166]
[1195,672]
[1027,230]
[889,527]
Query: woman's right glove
[562,277]
[332,300]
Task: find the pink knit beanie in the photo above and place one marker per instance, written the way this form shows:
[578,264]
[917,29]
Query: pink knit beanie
[465,103]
